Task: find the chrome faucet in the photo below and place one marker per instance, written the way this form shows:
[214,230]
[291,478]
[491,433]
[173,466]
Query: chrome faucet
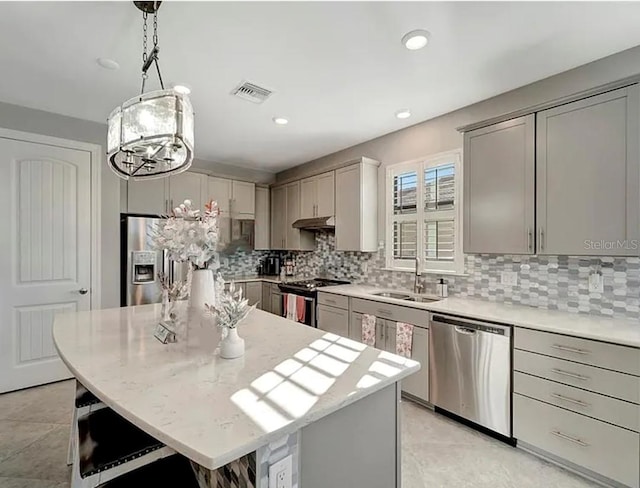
[418,287]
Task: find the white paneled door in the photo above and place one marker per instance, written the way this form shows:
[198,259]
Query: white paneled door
[45,258]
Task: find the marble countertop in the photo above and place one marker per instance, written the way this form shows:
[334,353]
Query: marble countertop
[210,409]
[617,331]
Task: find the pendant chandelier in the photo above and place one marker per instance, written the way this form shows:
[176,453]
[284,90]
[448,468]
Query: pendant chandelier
[151,135]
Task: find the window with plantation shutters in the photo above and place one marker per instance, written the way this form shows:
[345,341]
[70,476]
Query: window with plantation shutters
[423,217]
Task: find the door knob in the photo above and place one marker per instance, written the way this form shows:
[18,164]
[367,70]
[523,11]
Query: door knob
[83,291]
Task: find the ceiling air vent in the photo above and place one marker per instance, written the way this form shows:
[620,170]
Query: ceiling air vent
[251,92]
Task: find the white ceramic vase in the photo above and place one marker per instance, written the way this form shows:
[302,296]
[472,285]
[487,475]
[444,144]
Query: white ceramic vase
[202,290]
[232,345]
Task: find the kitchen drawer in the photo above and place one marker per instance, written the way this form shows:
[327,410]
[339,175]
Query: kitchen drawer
[332,319]
[332,300]
[605,449]
[617,385]
[388,311]
[611,410]
[601,354]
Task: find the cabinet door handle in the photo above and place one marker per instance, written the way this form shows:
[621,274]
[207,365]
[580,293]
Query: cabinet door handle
[541,239]
[574,350]
[530,239]
[570,375]
[570,400]
[569,438]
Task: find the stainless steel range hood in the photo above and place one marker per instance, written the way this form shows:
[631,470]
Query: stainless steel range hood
[316,223]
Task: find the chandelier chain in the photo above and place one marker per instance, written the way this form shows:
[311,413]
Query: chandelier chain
[144,38]
[155,28]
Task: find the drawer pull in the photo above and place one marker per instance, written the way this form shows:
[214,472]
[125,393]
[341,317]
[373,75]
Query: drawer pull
[570,400]
[569,438]
[574,350]
[382,311]
[570,375]
[329,300]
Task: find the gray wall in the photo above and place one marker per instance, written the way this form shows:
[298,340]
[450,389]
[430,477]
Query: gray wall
[231,171]
[46,123]
[440,134]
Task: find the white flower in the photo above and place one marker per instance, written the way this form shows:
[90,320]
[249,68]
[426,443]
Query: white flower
[188,235]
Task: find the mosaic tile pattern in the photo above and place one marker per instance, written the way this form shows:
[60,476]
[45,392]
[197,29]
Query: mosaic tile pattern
[242,263]
[275,451]
[549,282]
[240,473]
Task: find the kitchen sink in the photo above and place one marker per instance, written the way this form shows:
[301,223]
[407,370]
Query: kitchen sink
[405,296]
[421,299]
[391,294]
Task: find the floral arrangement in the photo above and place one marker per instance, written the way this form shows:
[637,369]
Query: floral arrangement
[230,308]
[177,290]
[190,236]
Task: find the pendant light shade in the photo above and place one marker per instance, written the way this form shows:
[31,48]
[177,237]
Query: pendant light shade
[151,135]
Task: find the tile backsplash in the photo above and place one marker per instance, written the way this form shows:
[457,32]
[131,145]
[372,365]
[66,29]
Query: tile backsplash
[550,282]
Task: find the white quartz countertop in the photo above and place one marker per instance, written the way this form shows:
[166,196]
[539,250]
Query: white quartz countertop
[210,409]
[617,331]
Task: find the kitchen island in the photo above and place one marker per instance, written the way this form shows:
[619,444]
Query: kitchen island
[331,401]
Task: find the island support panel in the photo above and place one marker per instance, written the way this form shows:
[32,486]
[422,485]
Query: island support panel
[357,446]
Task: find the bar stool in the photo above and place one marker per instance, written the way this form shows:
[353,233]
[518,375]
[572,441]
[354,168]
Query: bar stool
[108,446]
[84,402]
[173,471]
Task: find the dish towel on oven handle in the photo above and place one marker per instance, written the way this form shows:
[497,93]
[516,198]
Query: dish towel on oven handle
[290,307]
[369,329]
[404,339]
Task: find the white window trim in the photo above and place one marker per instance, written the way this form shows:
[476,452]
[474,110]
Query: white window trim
[420,164]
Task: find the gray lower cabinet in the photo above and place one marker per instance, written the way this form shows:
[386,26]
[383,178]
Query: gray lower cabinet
[266,297]
[499,185]
[417,384]
[588,200]
[334,320]
[253,293]
[578,400]
[276,300]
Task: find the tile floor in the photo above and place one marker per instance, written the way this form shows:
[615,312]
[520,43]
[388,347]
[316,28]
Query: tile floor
[437,452]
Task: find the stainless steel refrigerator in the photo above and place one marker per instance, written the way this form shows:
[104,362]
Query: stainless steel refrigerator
[141,264]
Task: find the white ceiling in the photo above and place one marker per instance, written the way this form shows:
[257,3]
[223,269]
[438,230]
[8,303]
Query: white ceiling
[338,69]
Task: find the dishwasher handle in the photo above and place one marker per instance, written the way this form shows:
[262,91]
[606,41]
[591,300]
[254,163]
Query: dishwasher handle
[466,326]
[465,330]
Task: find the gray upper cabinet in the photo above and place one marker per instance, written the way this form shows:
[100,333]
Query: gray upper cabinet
[147,197]
[278,217]
[187,186]
[499,179]
[285,210]
[160,196]
[325,188]
[263,225]
[317,196]
[588,175]
[356,196]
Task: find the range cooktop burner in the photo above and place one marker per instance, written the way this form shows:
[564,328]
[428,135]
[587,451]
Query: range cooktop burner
[312,284]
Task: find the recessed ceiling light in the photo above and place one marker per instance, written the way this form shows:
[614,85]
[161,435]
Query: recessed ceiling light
[280,121]
[403,113]
[107,63]
[416,39]
[182,89]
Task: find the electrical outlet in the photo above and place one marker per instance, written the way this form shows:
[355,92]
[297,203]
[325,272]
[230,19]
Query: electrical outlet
[596,282]
[281,473]
[509,278]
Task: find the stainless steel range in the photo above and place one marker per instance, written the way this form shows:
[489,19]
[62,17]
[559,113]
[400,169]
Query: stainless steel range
[307,289]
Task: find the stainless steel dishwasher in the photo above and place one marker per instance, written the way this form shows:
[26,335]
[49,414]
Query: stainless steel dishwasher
[470,370]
